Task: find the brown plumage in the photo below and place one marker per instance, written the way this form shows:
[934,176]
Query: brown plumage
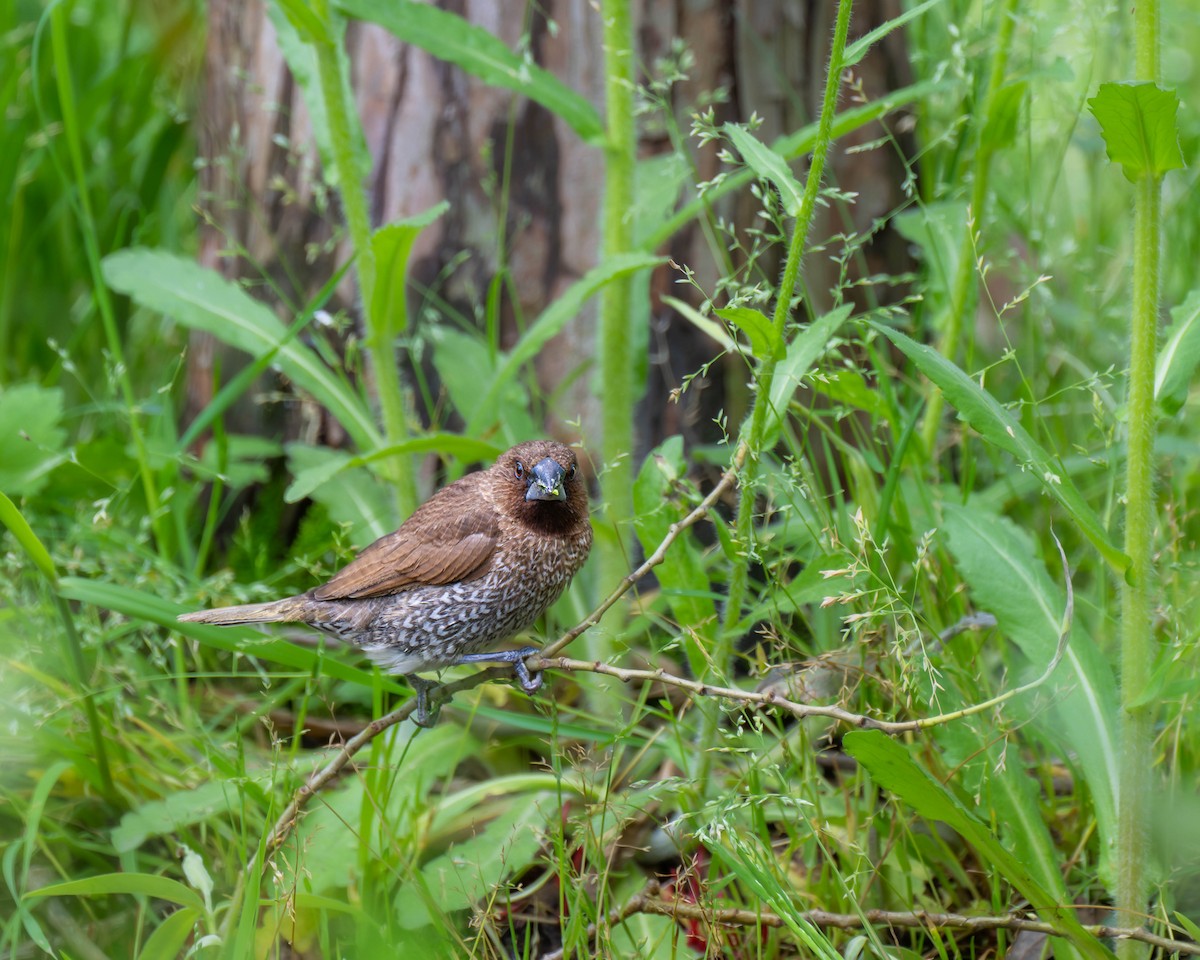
[479,561]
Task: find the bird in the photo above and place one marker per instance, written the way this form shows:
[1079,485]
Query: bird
[475,564]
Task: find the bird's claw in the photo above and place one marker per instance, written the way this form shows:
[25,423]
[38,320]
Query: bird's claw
[423,716]
[530,682]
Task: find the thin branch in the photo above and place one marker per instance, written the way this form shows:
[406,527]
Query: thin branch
[649,901]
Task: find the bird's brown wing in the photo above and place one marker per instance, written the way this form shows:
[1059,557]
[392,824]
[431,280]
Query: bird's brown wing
[451,537]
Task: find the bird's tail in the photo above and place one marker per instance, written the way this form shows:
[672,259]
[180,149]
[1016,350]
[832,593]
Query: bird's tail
[288,610]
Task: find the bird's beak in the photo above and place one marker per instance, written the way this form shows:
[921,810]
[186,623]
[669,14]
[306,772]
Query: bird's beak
[546,482]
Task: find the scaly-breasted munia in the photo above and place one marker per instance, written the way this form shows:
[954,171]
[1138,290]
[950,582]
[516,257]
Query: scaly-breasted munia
[479,561]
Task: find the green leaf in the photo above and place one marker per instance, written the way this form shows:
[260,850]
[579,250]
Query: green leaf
[998,562]
[1179,354]
[11,517]
[246,641]
[392,245]
[894,769]
[858,49]
[551,321]
[180,809]
[300,17]
[1004,114]
[702,323]
[758,328]
[1000,428]
[466,872]
[203,300]
[31,440]
[767,165]
[451,38]
[1140,129]
[166,942]
[356,499]
[321,471]
[802,353]
[140,884]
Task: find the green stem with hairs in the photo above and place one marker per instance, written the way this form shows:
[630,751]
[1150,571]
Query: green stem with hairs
[964,278]
[1137,637]
[353,193]
[744,522]
[616,386]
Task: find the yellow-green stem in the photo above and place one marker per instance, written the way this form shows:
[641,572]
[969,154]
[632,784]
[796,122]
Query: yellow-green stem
[964,278]
[615,334]
[385,373]
[1137,642]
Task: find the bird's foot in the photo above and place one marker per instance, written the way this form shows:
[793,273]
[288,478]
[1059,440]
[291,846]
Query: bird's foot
[429,704]
[530,682]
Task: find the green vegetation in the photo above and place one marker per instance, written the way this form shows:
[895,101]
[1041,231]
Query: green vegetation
[932,647]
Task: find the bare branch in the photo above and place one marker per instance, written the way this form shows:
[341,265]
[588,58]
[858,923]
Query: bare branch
[649,901]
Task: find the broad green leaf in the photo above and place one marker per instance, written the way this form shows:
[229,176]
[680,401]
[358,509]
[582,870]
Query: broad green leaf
[758,328]
[141,884]
[449,37]
[244,640]
[891,765]
[551,321]
[802,354]
[657,182]
[998,563]
[858,49]
[31,439]
[11,517]
[165,816]
[392,245]
[767,165]
[465,873]
[356,499]
[1179,355]
[203,300]
[684,581]
[937,229]
[1000,428]
[1140,128]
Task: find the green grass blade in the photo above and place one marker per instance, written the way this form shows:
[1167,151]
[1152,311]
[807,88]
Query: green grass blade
[12,518]
[449,37]
[138,884]
[895,770]
[1000,428]
[201,299]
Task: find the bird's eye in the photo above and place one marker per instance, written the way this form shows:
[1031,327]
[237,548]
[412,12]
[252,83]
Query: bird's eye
[519,470]
[571,473]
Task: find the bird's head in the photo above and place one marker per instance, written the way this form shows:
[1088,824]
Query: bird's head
[541,484]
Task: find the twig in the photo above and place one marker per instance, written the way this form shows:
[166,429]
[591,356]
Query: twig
[649,901]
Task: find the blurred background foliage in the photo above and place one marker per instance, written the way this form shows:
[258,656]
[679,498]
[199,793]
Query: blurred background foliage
[198,405]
